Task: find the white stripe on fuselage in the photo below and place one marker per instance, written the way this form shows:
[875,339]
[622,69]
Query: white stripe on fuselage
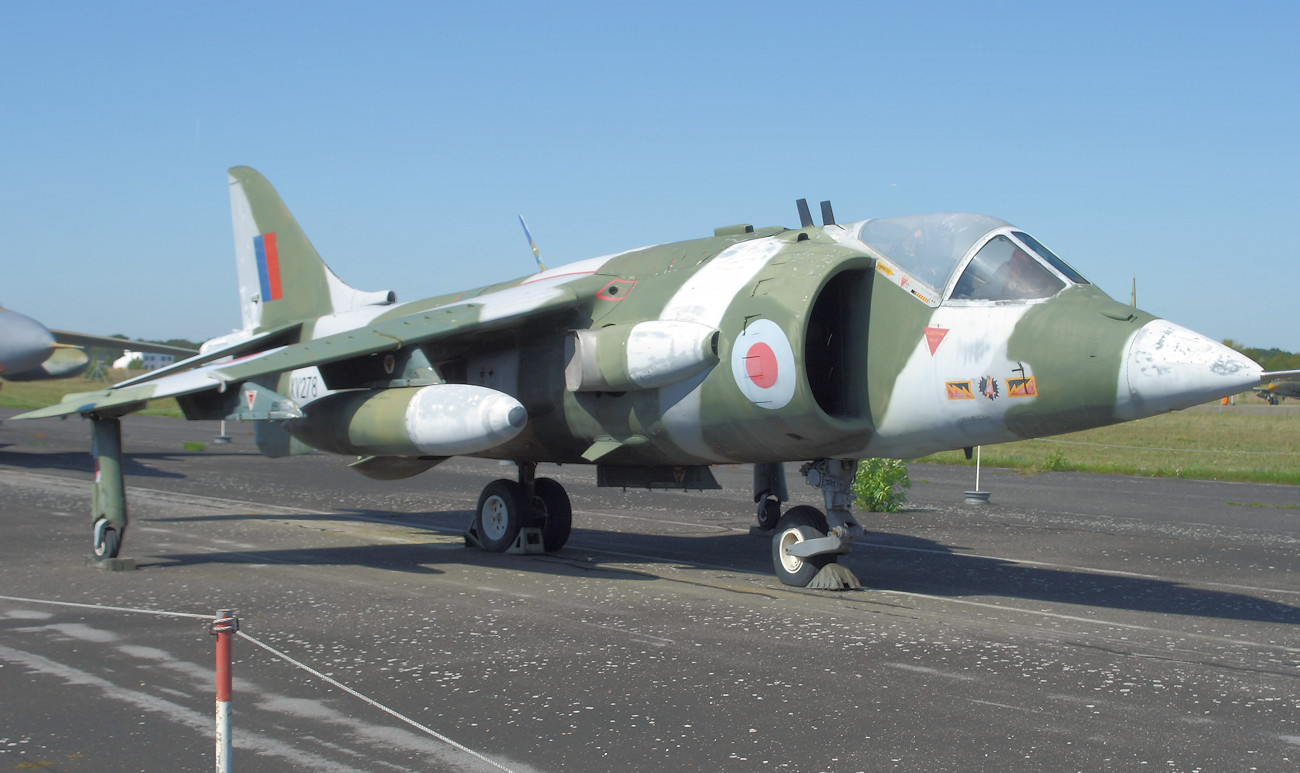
[704,299]
[572,270]
[921,418]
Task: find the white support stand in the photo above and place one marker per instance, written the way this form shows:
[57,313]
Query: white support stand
[977,497]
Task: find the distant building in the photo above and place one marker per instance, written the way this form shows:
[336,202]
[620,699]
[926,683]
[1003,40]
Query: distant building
[147,360]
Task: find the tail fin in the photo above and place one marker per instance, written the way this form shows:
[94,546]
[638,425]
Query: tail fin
[282,278]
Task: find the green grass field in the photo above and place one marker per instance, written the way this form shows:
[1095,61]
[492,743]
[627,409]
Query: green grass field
[38,394]
[1242,442]
[1247,442]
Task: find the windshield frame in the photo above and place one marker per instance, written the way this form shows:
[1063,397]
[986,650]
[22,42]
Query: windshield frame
[1012,233]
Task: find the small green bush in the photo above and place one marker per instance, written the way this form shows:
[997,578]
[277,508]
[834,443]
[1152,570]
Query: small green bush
[1054,462]
[878,486]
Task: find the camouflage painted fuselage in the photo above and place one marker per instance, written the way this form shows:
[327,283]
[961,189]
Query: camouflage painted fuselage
[892,337]
[820,350]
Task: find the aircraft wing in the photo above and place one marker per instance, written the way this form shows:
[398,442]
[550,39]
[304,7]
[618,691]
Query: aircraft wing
[385,336]
[487,312]
[241,348]
[491,311]
[118,401]
[1279,383]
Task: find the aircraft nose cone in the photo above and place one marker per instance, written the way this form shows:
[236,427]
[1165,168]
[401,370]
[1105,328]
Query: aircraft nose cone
[24,342]
[1168,367]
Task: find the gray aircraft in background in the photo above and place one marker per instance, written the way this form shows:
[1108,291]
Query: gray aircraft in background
[29,351]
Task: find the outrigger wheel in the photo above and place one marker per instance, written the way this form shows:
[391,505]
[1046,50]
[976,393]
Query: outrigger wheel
[106,540]
[108,494]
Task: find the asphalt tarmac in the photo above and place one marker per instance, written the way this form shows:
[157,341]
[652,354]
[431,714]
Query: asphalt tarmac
[1077,622]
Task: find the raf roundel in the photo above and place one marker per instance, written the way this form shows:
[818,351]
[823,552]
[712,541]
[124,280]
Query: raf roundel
[763,364]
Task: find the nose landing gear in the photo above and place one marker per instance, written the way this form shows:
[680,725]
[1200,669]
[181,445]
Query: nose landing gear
[807,543]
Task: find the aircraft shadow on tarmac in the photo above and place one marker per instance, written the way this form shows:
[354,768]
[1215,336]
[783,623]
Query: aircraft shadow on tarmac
[882,561]
[909,564]
[415,558]
[81,461]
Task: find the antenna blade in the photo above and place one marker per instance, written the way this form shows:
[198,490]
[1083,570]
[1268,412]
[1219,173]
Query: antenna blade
[828,217]
[805,217]
[537,255]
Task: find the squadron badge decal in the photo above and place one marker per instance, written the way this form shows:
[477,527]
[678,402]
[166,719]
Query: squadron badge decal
[959,390]
[1022,387]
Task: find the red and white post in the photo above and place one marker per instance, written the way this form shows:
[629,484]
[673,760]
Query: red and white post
[224,628]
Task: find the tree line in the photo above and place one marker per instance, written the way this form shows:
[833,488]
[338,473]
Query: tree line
[1271,359]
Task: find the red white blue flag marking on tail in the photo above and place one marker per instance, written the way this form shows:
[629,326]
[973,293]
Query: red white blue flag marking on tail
[268,266]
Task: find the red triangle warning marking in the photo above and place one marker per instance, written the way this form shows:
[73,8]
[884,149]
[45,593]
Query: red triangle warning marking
[934,337]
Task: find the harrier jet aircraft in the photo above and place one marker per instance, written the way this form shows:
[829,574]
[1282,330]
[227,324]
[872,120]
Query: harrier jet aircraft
[891,337]
[1279,390]
[29,351]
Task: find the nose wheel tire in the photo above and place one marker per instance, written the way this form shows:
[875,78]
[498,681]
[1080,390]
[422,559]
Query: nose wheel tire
[500,515]
[797,525]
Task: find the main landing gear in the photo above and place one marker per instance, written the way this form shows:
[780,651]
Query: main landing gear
[807,542]
[530,515]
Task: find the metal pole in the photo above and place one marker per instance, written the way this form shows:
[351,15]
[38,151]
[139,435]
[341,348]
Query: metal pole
[223,628]
[977,467]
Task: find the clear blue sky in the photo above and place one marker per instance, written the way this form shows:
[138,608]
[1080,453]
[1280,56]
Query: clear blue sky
[1156,140]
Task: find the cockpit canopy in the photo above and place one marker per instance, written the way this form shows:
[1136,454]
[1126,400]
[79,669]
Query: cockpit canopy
[969,257]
